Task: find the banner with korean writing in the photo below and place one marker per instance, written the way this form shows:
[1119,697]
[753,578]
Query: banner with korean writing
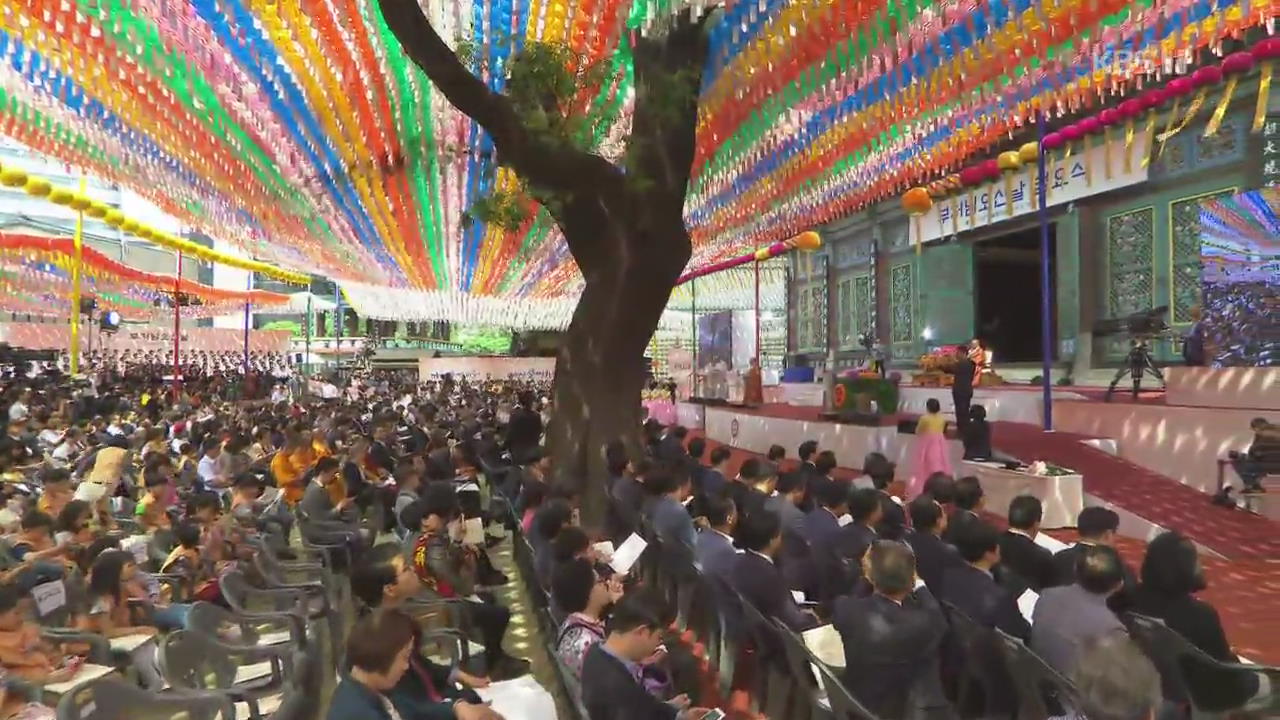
[488,368]
[1070,180]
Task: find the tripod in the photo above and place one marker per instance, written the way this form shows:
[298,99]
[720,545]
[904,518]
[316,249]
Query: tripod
[1137,364]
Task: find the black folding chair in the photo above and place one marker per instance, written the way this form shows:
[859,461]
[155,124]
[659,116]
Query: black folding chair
[983,667]
[1191,676]
[1043,692]
[843,705]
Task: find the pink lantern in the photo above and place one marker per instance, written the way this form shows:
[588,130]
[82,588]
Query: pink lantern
[1090,126]
[1053,141]
[1178,87]
[1130,108]
[1237,63]
[1109,117]
[1266,49]
[1072,133]
[1208,75]
[991,169]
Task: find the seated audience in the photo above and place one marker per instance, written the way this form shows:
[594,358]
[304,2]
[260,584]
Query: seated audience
[758,579]
[447,569]
[857,536]
[612,673]
[1096,525]
[24,653]
[1171,577]
[383,579]
[1068,616]
[933,556]
[715,477]
[585,597]
[111,581]
[666,510]
[552,517]
[892,638]
[714,550]
[1115,681]
[968,503]
[380,649]
[972,589]
[1019,552]
[788,495]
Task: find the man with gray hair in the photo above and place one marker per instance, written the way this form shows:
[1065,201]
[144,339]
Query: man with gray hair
[1116,681]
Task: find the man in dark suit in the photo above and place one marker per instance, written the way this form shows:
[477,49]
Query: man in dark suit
[808,470]
[933,557]
[892,523]
[611,670]
[667,513]
[972,588]
[968,503]
[857,536]
[671,448]
[818,476]
[757,578]
[892,638]
[1097,526]
[714,548]
[714,478]
[524,429]
[962,386]
[821,531]
[1019,552]
[788,493]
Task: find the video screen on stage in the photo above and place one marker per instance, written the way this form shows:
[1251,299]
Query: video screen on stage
[715,339]
[1240,279]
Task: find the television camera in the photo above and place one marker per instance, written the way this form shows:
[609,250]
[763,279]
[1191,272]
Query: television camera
[1142,328]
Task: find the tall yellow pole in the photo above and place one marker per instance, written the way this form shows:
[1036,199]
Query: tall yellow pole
[78,243]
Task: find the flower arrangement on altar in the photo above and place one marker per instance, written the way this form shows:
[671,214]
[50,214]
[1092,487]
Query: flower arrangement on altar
[940,359]
[1044,469]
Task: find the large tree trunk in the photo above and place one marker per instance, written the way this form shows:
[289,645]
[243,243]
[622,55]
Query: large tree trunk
[600,366]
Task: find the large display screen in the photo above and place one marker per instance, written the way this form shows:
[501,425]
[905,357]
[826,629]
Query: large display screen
[1240,279]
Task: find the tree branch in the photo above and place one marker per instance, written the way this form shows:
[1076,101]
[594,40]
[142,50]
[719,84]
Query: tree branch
[556,168]
[662,137]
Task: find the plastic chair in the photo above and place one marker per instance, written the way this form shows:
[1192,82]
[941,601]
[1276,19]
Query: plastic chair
[1177,660]
[1039,685]
[114,699]
[195,661]
[215,621]
[306,600]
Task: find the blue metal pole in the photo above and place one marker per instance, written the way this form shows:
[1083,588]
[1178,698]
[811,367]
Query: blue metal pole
[1046,281]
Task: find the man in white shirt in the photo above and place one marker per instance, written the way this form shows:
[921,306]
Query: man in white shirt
[70,447]
[207,468]
[19,410]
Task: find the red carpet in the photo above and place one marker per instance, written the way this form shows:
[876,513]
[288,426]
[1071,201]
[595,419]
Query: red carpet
[1235,534]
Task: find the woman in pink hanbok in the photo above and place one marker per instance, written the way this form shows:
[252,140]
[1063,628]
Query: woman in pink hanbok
[929,453]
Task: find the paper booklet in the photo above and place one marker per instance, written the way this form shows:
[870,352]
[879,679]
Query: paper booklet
[628,553]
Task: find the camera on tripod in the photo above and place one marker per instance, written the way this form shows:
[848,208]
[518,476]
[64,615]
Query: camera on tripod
[1143,326]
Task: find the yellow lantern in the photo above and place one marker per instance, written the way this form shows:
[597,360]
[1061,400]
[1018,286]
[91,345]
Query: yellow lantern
[38,187]
[60,196]
[13,177]
[80,202]
[130,226]
[1009,162]
[97,210]
[113,217]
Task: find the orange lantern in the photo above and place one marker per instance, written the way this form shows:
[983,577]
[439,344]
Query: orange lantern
[917,202]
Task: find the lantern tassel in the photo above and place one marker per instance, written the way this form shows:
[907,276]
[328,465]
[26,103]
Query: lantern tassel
[1264,91]
[919,236]
[1128,145]
[1168,126]
[1106,153]
[1150,133]
[1008,194]
[1088,168]
[1192,111]
[973,208]
[1215,121]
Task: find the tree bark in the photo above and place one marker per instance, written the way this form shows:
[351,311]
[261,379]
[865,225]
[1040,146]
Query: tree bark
[628,239]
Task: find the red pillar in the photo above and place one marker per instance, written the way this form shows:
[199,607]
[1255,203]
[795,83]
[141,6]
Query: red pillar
[177,327]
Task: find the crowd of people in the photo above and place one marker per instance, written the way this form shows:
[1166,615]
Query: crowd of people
[108,491]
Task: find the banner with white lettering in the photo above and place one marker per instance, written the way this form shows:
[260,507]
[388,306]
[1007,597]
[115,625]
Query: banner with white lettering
[1069,181]
[488,368]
